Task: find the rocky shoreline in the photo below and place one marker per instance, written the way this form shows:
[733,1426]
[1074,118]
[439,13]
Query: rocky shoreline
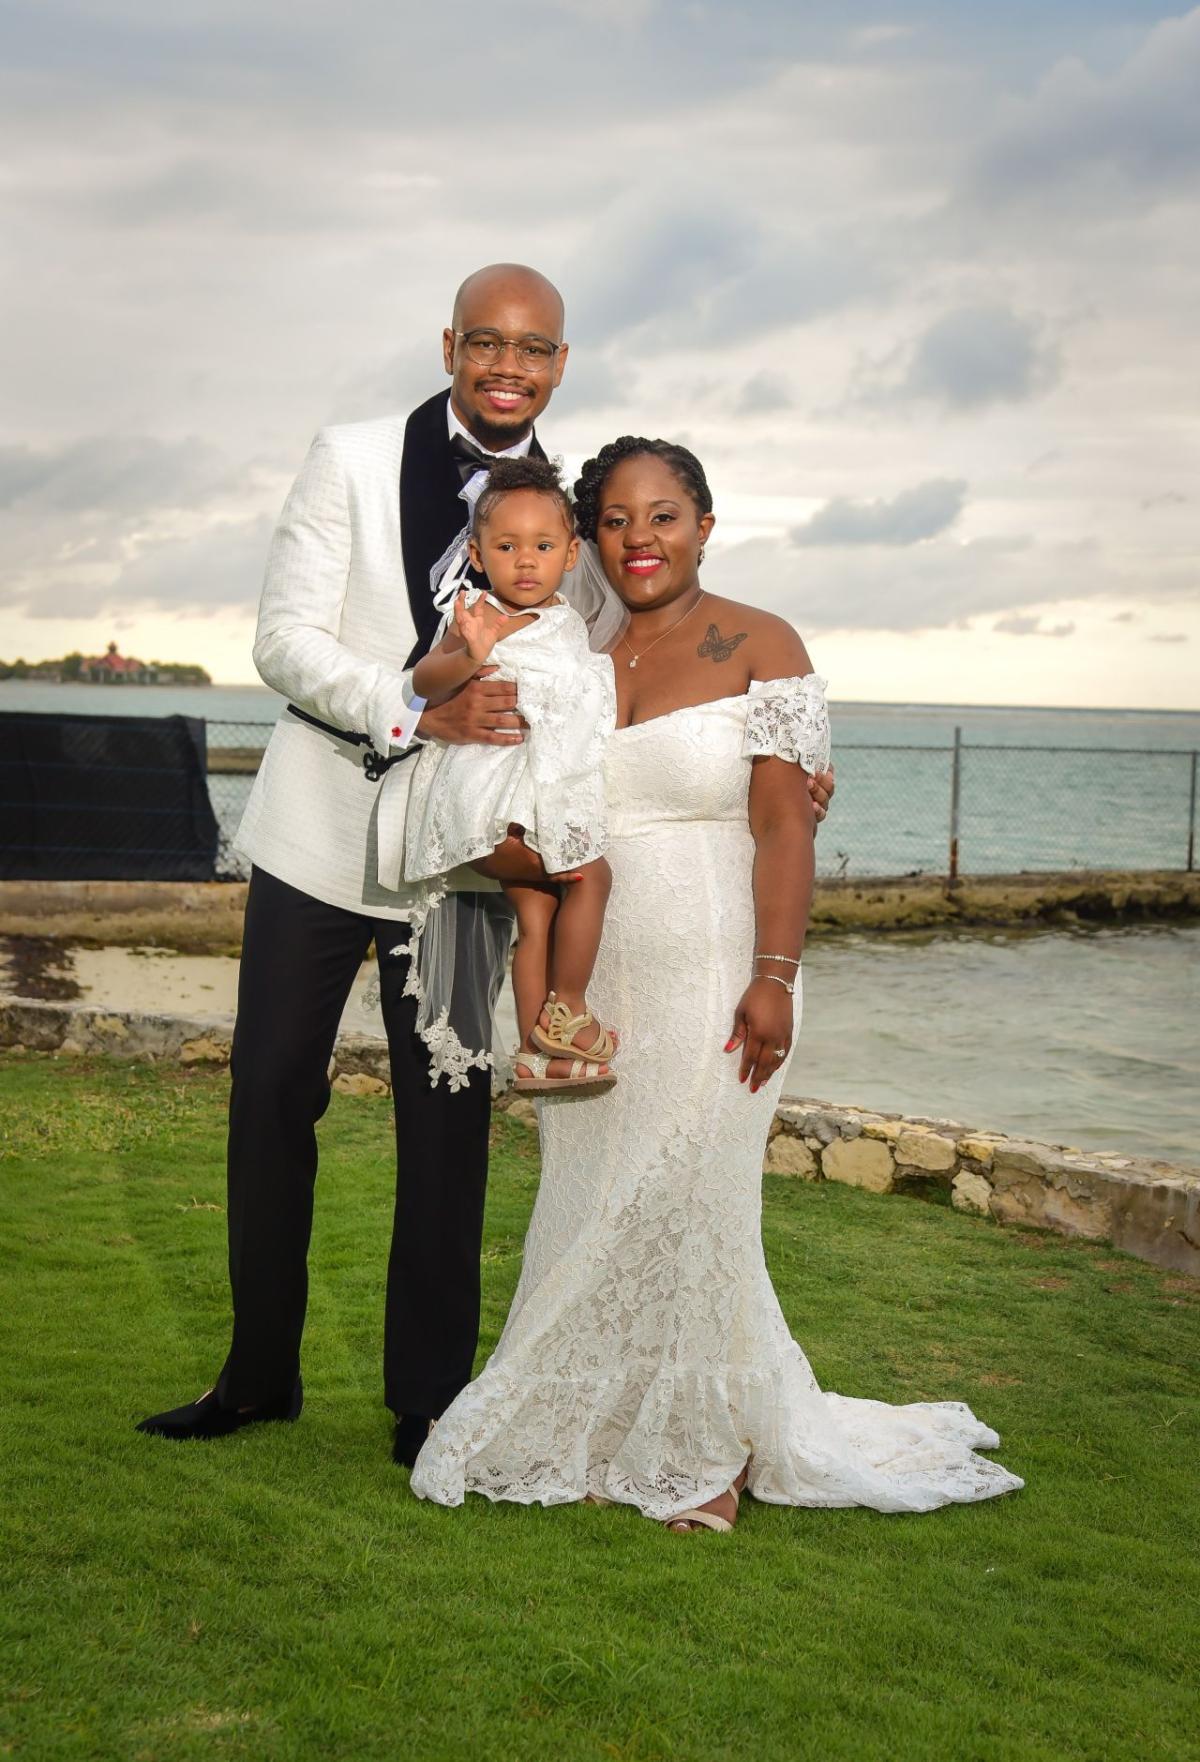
[206,917]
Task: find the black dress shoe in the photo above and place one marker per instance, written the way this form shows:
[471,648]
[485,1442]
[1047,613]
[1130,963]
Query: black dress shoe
[412,1429]
[206,1418]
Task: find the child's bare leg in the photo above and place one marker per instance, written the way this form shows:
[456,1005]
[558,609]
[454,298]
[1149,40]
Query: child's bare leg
[535,906]
[537,910]
[577,931]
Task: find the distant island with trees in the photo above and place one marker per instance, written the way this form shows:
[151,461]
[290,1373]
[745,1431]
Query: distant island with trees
[110,668]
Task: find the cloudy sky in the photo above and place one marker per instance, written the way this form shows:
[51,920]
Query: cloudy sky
[919,282]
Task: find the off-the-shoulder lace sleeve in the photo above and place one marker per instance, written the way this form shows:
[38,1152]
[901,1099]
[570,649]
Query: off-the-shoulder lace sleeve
[789,719]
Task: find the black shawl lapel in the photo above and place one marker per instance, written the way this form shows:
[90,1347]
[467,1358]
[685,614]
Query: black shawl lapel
[431,509]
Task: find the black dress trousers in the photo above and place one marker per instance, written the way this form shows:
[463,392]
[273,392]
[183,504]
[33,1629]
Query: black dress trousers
[299,961]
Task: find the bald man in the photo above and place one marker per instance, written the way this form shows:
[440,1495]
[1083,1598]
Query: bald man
[346,608]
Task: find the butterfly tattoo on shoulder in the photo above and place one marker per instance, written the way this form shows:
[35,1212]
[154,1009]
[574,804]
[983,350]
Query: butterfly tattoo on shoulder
[717,647]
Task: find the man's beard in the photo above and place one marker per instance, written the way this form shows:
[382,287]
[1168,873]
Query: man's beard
[498,436]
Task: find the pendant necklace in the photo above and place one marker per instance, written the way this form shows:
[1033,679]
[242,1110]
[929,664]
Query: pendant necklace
[637,656]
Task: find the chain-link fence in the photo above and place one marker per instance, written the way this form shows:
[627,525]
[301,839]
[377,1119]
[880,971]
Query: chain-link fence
[235,751]
[997,810]
[1018,807]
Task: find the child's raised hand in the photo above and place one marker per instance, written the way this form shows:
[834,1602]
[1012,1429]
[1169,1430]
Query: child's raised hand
[474,626]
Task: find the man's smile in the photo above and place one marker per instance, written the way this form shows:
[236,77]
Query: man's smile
[504,397]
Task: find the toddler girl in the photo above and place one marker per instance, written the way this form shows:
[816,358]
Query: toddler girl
[465,801]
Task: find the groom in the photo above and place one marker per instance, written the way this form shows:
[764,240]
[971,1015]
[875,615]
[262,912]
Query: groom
[346,609]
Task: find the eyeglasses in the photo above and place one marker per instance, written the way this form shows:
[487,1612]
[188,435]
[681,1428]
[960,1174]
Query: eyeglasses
[485,348]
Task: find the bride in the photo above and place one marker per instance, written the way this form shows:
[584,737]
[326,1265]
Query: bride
[646,1359]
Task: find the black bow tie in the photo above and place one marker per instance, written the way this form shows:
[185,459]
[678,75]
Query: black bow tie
[469,458]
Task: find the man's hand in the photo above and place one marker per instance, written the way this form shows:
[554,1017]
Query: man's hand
[820,787]
[483,711]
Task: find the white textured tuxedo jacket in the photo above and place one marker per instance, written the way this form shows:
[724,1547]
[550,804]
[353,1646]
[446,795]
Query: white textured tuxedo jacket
[334,631]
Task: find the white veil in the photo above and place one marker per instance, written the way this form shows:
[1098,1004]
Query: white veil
[458,959]
[587,588]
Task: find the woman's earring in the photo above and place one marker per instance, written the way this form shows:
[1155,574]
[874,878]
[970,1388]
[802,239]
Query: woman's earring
[700,558]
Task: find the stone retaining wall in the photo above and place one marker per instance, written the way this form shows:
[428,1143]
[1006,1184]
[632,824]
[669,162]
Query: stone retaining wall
[1149,1209]
[1145,1207]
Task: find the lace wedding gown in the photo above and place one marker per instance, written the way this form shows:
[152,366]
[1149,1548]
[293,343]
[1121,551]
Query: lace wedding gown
[646,1357]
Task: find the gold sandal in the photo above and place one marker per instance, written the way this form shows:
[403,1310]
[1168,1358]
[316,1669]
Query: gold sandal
[709,1520]
[559,1038]
[585,1076]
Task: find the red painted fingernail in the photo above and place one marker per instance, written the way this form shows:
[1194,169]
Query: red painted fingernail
[729,1045]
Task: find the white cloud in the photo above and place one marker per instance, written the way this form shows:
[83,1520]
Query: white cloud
[874,36]
[1021,624]
[915,514]
[762,394]
[710,269]
[116,472]
[1090,133]
[218,567]
[942,584]
[976,356]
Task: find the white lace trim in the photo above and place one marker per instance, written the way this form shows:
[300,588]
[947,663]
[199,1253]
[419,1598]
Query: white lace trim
[448,1057]
[789,719]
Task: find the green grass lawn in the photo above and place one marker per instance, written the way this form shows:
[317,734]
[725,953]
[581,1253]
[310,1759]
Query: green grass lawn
[281,1595]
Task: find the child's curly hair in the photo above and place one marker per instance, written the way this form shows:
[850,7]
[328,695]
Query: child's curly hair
[507,475]
[589,485]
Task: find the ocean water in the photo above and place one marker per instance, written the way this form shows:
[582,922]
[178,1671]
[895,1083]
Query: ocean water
[1039,788]
[1090,1038]
[231,703]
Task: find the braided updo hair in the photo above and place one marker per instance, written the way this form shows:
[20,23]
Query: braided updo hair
[507,475]
[589,485]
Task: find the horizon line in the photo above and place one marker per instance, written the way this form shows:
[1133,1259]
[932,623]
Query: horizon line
[872,703]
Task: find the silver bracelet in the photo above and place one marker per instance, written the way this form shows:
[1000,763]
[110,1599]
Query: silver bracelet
[789,958]
[786,983]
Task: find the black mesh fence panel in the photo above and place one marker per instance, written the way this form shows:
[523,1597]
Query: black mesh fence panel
[104,798]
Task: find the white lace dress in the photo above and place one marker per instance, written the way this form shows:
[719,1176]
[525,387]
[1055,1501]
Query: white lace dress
[646,1357]
[464,798]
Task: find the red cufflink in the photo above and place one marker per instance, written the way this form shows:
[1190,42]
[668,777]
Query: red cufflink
[395,734]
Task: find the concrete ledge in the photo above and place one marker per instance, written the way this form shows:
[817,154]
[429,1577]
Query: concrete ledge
[1146,1208]
[360,1063]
